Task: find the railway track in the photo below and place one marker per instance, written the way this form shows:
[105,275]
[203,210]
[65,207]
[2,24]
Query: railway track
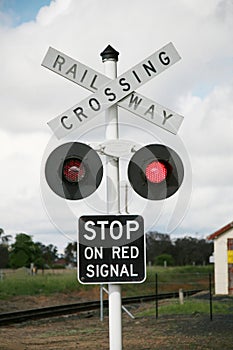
[59,310]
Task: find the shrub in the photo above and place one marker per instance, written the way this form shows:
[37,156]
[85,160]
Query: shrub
[160,260]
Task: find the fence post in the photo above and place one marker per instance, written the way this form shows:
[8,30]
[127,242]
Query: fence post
[101,303]
[210,295]
[181,296]
[156,297]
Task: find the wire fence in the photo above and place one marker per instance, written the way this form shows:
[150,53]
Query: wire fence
[186,285]
[24,282]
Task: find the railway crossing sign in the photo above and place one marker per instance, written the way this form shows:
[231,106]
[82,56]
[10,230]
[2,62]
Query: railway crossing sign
[107,92]
[74,170]
[111,249]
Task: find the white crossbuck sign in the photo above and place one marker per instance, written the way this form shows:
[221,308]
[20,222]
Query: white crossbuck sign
[107,92]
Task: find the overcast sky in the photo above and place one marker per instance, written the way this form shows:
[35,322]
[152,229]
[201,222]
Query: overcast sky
[199,87]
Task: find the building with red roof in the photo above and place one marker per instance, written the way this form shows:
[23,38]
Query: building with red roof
[223,259]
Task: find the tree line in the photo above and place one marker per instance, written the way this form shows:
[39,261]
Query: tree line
[160,250]
[181,251]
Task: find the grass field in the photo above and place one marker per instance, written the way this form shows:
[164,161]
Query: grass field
[180,327]
[19,282]
[191,306]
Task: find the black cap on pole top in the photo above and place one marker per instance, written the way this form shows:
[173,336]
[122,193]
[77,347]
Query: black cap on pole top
[109,53]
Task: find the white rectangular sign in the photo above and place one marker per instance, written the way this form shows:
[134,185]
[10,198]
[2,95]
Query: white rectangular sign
[110,93]
[92,80]
[74,70]
[152,112]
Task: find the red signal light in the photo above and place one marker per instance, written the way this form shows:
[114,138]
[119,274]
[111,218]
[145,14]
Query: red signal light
[73,170]
[156,172]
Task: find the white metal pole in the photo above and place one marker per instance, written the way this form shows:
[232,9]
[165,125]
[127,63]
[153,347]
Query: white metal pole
[110,58]
[101,303]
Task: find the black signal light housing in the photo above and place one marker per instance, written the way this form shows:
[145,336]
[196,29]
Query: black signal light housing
[155,172]
[74,170]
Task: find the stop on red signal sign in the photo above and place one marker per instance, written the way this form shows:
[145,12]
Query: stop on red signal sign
[111,249]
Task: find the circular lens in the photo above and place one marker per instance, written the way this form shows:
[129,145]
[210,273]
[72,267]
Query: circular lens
[156,172]
[73,170]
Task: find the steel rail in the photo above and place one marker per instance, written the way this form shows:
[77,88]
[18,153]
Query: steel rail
[60,310]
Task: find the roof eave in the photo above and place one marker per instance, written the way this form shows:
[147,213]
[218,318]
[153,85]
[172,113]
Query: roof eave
[220,231]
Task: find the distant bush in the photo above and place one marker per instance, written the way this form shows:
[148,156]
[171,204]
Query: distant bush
[58,267]
[163,259]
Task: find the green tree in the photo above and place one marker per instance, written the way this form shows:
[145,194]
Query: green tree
[39,260]
[185,251]
[157,244]
[189,250]
[46,255]
[4,256]
[71,253]
[161,259]
[4,249]
[4,239]
[23,251]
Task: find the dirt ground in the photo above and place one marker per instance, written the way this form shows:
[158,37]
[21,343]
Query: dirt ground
[31,302]
[86,331]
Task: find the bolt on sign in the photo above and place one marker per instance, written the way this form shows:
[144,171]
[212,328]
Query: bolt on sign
[111,249]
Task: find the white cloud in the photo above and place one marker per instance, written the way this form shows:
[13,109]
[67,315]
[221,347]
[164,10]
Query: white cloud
[208,138]
[199,87]
[48,14]
[210,123]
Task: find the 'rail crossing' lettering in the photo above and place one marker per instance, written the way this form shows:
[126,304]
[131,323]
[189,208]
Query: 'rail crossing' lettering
[108,92]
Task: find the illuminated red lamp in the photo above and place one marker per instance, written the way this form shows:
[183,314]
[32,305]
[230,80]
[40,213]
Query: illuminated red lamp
[156,172]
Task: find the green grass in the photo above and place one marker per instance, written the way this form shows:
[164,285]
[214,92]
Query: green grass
[170,279]
[186,272]
[15,285]
[190,307]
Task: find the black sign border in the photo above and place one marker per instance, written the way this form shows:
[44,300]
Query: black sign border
[107,280]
